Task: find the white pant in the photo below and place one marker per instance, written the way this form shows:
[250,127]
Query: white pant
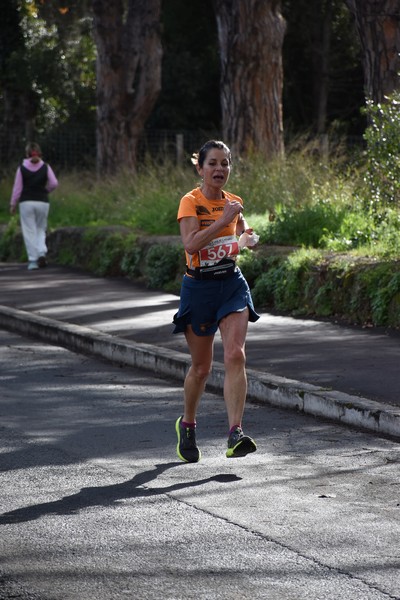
[33,216]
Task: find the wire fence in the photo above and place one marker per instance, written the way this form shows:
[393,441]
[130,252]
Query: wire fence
[75,148]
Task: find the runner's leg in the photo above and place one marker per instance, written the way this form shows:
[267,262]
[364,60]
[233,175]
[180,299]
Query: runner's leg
[28,226]
[42,212]
[233,330]
[201,351]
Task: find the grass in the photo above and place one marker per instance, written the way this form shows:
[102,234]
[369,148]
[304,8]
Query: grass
[298,201]
[146,202]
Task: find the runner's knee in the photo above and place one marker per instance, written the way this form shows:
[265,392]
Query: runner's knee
[234,355]
[201,371]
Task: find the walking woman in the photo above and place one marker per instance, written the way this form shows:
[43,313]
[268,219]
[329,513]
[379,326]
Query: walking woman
[34,180]
[214,295]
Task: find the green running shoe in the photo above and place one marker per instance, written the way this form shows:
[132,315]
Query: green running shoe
[186,447]
[239,444]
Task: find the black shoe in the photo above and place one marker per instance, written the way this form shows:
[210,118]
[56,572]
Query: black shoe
[42,262]
[239,444]
[186,448]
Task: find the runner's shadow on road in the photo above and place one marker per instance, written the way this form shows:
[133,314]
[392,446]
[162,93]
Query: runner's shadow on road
[108,495]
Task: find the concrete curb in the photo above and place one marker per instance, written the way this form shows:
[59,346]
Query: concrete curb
[262,387]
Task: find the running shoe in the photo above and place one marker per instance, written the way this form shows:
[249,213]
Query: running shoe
[42,262]
[186,447]
[33,265]
[239,444]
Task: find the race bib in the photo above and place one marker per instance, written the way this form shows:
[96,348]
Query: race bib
[220,248]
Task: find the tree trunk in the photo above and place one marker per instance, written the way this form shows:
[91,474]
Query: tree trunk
[321,46]
[377,23]
[128,77]
[250,40]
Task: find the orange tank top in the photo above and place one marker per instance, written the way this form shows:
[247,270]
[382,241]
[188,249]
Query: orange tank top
[195,204]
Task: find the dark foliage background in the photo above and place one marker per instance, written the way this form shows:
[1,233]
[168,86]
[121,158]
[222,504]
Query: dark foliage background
[47,73]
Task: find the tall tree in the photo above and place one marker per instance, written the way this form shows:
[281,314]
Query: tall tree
[47,78]
[377,23]
[251,36]
[323,87]
[128,77]
[17,98]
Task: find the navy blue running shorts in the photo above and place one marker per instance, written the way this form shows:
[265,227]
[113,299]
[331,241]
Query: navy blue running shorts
[204,303]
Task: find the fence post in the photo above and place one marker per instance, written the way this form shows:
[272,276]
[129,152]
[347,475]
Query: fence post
[179,148]
[324,146]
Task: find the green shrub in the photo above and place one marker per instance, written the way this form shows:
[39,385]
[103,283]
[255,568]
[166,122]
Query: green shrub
[96,249]
[322,302]
[386,242]
[163,264]
[107,254]
[131,262]
[266,284]
[283,284]
[377,286]
[11,242]
[252,265]
[383,161]
[305,226]
[355,229]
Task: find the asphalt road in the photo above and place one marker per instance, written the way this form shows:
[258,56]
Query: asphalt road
[348,374]
[95,506]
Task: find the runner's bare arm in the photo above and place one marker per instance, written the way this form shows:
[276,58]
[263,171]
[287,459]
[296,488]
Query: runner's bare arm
[195,239]
[242,226]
